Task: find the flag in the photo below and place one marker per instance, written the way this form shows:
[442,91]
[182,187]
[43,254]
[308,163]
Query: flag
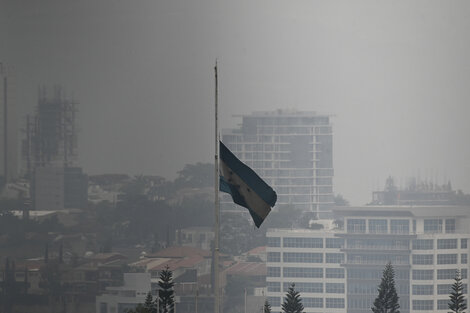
[245,186]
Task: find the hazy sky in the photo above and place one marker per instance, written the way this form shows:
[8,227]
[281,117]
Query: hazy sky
[395,75]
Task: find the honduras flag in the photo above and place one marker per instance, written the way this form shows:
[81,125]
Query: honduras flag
[245,186]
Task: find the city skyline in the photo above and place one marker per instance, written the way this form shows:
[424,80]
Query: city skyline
[394,76]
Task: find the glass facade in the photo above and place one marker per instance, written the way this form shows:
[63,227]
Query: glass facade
[303,272]
[423,305]
[305,287]
[447,243]
[423,244]
[433,226]
[378,226]
[356,226]
[293,242]
[303,257]
[423,274]
[341,273]
[399,226]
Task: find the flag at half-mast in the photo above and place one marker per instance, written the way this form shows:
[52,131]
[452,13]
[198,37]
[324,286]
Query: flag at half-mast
[245,186]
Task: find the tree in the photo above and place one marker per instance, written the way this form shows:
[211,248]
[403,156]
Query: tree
[292,302]
[387,300]
[457,299]
[138,309]
[149,305]
[166,293]
[340,200]
[196,175]
[266,307]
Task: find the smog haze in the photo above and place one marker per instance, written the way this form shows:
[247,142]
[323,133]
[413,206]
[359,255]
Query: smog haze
[395,77]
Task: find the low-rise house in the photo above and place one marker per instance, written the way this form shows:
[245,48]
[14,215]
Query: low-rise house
[119,299]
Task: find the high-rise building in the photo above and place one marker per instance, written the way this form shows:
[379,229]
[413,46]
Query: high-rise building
[292,151]
[50,153]
[8,127]
[338,269]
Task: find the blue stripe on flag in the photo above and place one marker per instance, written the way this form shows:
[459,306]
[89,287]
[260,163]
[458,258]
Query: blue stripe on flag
[252,179]
[224,186]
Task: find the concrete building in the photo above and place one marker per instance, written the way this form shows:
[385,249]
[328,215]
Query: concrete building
[426,246]
[196,237]
[56,188]
[119,299]
[8,128]
[292,152]
[313,261]
[416,192]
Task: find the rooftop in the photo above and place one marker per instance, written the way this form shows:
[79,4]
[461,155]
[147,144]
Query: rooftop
[404,211]
[180,252]
[247,269]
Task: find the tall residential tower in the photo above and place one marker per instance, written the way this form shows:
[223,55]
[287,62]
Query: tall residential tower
[292,151]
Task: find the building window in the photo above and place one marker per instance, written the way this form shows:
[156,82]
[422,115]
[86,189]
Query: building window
[423,305]
[274,242]
[463,243]
[443,304]
[356,226]
[103,307]
[334,303]
[334,288]
[273,286]
[433,226]
[463,258]
[423,289]
[334,272]
[274,257]
[423,274]
[335,243]
[292,242]
[305,287]
[273,271]
[463,273]
[274,301]
[450,226]
[446,273]
[377,226]
[300,257]
[399,226]
[303,272]
[444,289]
[423,244]
[447,243]
[447,258]
[334,258]
[362,288]
[423,259]
[312,302]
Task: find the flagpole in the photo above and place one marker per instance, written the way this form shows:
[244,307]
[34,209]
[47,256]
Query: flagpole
[216,201]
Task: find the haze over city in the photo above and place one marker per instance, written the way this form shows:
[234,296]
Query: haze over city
[394,76]
[342,178]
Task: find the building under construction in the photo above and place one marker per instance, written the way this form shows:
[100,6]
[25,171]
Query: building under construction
[50,153]
[51,134]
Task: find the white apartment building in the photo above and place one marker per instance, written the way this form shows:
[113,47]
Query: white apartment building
[292,151]
[426,246]
[311,259]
